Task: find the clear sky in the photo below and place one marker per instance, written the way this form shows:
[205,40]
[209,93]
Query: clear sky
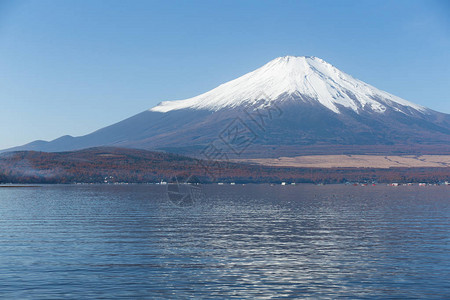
[71,67]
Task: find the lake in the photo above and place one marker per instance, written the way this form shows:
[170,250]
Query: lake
[252,241]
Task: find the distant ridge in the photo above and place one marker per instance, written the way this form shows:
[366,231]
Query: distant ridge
[108,165]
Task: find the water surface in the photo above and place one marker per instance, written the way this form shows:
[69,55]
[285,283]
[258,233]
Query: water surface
[235,242]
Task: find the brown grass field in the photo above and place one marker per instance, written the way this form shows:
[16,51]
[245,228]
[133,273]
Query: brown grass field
[354,161]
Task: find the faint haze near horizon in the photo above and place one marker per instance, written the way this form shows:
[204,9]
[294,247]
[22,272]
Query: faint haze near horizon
[72,67]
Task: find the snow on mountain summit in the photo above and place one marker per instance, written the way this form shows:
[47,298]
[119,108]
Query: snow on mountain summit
[303,76]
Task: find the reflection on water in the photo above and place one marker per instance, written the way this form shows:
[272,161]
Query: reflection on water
[237,242]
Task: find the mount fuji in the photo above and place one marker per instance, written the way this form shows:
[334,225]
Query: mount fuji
[290,106]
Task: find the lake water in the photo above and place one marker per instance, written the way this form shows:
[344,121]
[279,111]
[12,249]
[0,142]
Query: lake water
[253,241]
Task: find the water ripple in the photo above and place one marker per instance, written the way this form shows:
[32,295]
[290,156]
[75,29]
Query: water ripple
[237,242]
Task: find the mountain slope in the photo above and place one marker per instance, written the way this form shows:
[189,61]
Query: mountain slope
[287,106]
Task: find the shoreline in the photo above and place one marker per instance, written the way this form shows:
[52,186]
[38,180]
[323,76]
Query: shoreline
[20,186]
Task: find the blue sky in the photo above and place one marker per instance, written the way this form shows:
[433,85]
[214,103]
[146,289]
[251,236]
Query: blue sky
[71,67]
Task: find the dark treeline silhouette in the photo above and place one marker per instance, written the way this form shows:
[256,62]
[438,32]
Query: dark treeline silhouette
[112,165]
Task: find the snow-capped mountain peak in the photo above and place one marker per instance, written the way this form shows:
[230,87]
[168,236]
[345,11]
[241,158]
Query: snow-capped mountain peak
[318,104]
[304,76]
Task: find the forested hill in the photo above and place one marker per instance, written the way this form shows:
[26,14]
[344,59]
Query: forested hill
[115,165]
